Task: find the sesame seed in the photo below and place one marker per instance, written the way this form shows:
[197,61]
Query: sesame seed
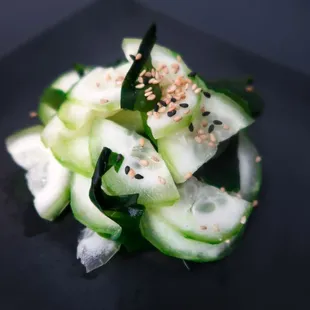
[249,88]
[171,89]
[255,203]
[198,139]
[207,94]
[149,113]
[103,101]
[211,128]
[156,115]
[148,74]
[203,227]
[119,80]
[161,180]
[162,110]
[139,176]
[153,72]
[33,114]
[183,105]
[143,162]
[178,82]
[204,123]
[188,175]
[148,93]
[243,219]
[258,159]
[194,86]
[151,97]
[141,142]
[108,77]
[163,103]
[142,72]
[204,137]
[216,228]
[127,169]
[132,57]
[173,99]
[131,173]
[97,84]
[177,118]
[139,86]
[212,137]
[155,81]
[191,127]
[175,67]
[198,90]
[223,189]
[179,59]
[217,122]
[138,56]
[226,127]
[156,159]
[140,80]
[192,74]
[166,70]
[148,89]
[171,113]
[201,131]
[151,81]
[187,111]
[211,144]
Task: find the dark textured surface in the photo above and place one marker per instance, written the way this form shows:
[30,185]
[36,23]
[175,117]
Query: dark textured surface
[270,268]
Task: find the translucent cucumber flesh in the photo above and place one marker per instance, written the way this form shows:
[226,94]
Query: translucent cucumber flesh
[129,119]
[86,212]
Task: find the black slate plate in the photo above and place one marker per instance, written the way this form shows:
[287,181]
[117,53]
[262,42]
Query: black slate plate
[270,268]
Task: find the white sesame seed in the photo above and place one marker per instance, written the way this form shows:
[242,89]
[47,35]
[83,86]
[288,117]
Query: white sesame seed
[258,159]
[33,114]
[204,123]
[186,86]
[148,93]
[198,90]
[226,127]
[203,227]
[141,142]
[148,74]
[178,82]
[202,109]
[179,59]
[175,68]
[97,84]
[171,89]
[149,113]
[223,189]
[211,144]
[162,110]
[198,139]
[161,180]
[166,70]
[155,81]
[138,56]
[212,137]
[155,159]
[255,203]
[216,228]
[243,219]
[188,175]
[148,89]
[249,88]
[131,173]
[187,111]
[194,86]
[143,162]
[103,101]
[171,107]
[156,115]
[108,77]
[151,81]
[151,97]
[140,80]
[142,72]
[140,86]
[204,137]
[201,131]
[177,118]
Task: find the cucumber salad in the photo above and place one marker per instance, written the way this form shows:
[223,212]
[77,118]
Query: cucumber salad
[148,154]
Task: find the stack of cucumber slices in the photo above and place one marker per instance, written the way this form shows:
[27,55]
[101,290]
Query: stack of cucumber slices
[137,151]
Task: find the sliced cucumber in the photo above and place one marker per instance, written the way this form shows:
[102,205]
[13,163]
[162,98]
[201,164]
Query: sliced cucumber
[174,75]
[66,80]
[47,180]
[249,167]
[172,243]
[94,250]
[129,119]
[196,145]
[205,213]
[156,187]
[70,147]
[87,213]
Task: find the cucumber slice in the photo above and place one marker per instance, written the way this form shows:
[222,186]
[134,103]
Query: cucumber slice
[249,167]
[172,243]
[205,213]
[66,80]
[156,187]
[94,250]
[87,213]
[194,145]
[173,75]
[70,147]
[47,180]
[131,120]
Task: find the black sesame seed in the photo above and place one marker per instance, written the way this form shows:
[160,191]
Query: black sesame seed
[205,113]
[217,122]
[211,128]
[163,103]
[183,105]
[173,99]
[207,94]
[191,127]
[156,107]
[139,176]
[192,74]
[171,113]
[127,169]
[132,57]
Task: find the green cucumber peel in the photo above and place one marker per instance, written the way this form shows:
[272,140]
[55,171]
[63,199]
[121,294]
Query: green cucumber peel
[80,69]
